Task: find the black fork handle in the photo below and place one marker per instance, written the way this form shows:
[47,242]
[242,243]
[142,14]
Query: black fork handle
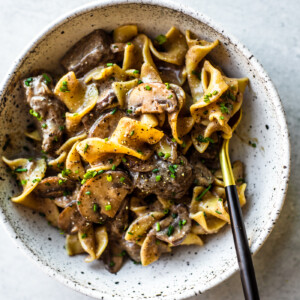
[241,245]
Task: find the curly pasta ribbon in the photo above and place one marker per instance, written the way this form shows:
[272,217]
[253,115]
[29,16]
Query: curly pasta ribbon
[125,33]
[175,47]
[129,137]
[93,241]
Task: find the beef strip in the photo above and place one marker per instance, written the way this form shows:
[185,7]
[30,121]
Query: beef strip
[161,181]
[50,112]
[88,53]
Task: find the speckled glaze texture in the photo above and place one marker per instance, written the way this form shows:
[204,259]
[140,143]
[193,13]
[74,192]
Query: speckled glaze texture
[189,270]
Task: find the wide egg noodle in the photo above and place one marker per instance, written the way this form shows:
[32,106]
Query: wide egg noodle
[78,98]
[74,164]
[35,172]
[138,53]
[93,241]
[130,137]
[175,47]
[125,33]
[216,87]
[197,51]
[122,88]
[139,228]
[179,126]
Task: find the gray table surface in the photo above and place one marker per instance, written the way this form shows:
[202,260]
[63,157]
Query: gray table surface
[271,30]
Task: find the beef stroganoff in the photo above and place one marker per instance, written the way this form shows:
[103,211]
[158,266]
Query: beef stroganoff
[129,140]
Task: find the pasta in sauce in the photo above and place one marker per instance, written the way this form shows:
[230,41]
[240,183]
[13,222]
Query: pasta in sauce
[130,137]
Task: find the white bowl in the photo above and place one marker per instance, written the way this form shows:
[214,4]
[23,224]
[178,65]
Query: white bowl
[190,270]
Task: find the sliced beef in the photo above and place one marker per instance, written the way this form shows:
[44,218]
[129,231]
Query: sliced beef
[88,53]
[132,249]
[113,256]
[169,181]
[203,175]
[119,223]
[48,110]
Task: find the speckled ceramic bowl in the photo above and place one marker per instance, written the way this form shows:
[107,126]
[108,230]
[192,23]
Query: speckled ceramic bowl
[189,270]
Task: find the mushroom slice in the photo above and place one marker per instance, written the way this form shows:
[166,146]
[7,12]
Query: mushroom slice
[70,220]
[174,229]
[54,187]
[140,226]
[106,124]
[152,98]
[152,249]
[73,245]
[103,194]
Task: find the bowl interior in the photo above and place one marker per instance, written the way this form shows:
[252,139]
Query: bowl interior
[190,269]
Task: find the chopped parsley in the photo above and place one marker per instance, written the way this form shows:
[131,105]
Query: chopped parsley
[113,111]
[158,178]
[28,80]
[85,148]
[35,114]
[148,88]
[47,78]
[170,230]
[109,64]
[199,197]
[167,155]
[108,207]
[20,170]
[136,72]
[64,87]
[161,39]
[95,207]
[109,178]
[202,139]
[157,226]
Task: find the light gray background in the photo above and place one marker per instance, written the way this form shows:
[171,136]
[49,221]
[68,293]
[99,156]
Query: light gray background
[271,30]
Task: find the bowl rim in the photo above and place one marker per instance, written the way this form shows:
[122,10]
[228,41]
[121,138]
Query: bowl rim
[170,4]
